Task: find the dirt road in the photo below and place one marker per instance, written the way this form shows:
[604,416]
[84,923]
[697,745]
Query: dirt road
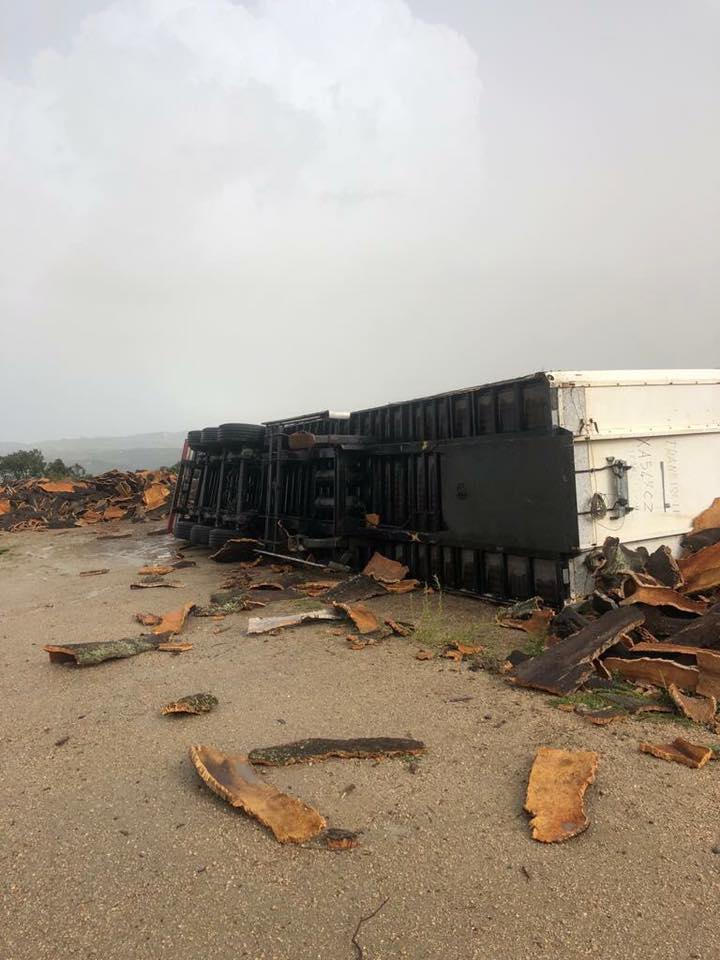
[112,848]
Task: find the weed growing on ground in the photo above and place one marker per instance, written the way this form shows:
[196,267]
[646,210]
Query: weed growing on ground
[302,604]
[433,630]
[666,718]
[535,644]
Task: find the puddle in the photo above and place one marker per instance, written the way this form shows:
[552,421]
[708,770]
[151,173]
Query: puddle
[66,554]
[134,551]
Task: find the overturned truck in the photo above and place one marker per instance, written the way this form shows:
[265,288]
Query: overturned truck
[502,490]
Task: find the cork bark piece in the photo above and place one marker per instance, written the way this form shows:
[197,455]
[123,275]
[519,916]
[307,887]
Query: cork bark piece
[564,666]
[654,670]
[385,570]
[701,570]
[173,622]
[679,751]
[708,662]
[194,703]
[90,654]
[709,518]
[234,550]
[148,619]
[664,597]
[231,777]
[364,619]
[319,748]
[697,709]
[556,787]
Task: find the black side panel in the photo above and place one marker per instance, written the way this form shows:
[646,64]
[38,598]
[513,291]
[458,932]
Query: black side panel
[513,491]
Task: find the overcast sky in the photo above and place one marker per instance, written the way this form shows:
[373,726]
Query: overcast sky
[221,211]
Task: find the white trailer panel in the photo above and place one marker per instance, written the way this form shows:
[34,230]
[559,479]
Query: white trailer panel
[647,453]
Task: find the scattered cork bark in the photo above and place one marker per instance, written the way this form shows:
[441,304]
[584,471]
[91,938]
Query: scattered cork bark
[90,654]
[662,565]
[663,597]
[402,586]
[664,649]
[195,703]
[564,666]
[150,586]
[692,542]
[234,550]
[679,751]
[155,495]
[400,628]
[171,646]
[709,681]
[268,624]
[385,570]
[458,651]
[94,573]
[556,788]
[315,588]
[662,625]
[701,631]
[61,486]
[173,622]
[359,587]
[231,777]
[537,622]
[697,709]
[364,619]
[334,838]
[602,716]
[319,748]
[658,672]
[701,570]
[148,619]
[709,518]
[424,654]
[40,503]
[155,571]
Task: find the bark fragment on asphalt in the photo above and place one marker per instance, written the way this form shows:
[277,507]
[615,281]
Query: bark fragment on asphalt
[231,777]
[194,703]
[556,788]
[321,748]
[90,654]
[657,671]
[566,665]
[679,751]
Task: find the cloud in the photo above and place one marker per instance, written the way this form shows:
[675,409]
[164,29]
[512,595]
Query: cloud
[183,164]
[293,129]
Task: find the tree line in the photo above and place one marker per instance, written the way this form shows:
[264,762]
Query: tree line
[24,464]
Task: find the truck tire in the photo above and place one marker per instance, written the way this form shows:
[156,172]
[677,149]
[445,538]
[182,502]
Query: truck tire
[219,536]
[199,534]
[182,528]
[236,434]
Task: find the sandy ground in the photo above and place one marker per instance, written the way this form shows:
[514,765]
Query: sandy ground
[111,847]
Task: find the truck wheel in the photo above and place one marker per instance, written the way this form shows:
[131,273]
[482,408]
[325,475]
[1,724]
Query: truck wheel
[199,534]
[182,528]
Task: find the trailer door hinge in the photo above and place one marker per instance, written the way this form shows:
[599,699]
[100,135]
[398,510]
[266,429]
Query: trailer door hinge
[599,507]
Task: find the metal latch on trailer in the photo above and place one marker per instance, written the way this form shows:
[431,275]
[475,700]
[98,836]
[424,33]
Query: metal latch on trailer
[598,504]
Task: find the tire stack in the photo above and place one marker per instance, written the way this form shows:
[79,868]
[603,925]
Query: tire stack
[235,436]
[210,447]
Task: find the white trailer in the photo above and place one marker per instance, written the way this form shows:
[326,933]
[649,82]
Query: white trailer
[646,450]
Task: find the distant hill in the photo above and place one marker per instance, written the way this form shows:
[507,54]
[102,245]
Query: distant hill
[142,451]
